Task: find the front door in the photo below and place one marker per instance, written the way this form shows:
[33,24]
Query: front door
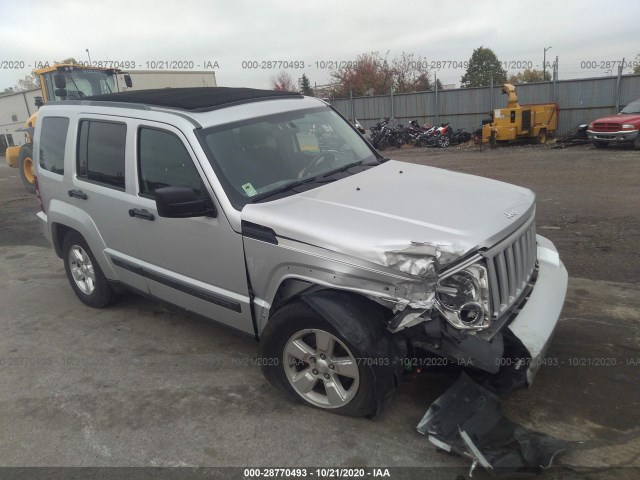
[195,263]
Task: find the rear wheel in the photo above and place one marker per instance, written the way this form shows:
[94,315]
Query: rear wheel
[305,356]
[25,165]
[601,144]
[636,144]
[84,274]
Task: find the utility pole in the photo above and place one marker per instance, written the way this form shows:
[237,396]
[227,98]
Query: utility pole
[544,64]
[87,50]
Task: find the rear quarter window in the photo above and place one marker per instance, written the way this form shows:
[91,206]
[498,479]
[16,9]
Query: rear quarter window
[53,140]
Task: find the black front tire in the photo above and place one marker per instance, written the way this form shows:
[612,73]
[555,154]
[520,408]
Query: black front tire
[288,321]
[102,294]
[444,141]
[25,161]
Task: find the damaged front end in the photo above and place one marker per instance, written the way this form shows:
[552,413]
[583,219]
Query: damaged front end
[494,312]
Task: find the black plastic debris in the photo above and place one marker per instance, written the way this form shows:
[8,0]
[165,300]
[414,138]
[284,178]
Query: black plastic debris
[579,137]
[468,420]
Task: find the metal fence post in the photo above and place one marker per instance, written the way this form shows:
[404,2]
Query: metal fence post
[435,76]
[618,82]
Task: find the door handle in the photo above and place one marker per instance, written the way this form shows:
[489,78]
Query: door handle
[141,213]
[78,194]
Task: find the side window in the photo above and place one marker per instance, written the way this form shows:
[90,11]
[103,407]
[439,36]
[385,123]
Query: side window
[101,152]
[163,161]
[53,138]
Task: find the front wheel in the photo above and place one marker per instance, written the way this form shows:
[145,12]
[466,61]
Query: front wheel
[444,141]
[25,165]
[304,355]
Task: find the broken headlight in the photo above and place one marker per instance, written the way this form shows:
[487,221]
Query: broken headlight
[463,297]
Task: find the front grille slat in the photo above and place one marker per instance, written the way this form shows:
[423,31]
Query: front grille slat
[503,279]
[511,267]
[517,250]
[511,264]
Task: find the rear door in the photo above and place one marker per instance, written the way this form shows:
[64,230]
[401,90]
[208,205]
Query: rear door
[103,188]
[196,263]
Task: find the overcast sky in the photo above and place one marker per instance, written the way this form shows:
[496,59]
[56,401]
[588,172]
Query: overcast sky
[233,31]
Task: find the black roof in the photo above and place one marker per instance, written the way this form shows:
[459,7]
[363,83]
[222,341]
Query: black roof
[197,99]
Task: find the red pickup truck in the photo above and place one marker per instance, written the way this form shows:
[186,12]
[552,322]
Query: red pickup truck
[620,128]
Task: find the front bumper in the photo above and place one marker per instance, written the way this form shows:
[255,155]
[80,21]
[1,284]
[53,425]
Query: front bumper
[536,322]
[622,136]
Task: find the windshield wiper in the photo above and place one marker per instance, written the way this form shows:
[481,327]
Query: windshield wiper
[288,186]
[342,169]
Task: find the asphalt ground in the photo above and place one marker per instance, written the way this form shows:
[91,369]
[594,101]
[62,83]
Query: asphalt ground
[139,385]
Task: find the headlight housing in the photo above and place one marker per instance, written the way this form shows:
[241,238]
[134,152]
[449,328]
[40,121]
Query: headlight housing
[628,126]
[463,297]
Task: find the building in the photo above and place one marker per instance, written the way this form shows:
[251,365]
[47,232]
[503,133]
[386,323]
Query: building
[17,107]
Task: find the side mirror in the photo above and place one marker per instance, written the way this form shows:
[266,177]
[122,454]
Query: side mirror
[38,101]
[180,202]
[127,80]
[59,80]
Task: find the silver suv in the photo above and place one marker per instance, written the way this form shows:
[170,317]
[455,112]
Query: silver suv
[270,213]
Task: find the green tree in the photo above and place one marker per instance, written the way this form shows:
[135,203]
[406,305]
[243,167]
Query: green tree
[636,69]
[530,76]
[305,86]
[7,90]
[483,64]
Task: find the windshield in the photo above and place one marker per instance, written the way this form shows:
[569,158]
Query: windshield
[255,157]
[81,83]
[633,107]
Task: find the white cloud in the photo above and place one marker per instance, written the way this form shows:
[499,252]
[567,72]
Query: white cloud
[231,31]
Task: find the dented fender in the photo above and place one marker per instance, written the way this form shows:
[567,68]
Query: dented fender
[271,264]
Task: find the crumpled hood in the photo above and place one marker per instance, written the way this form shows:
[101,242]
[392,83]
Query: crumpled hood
[399,208]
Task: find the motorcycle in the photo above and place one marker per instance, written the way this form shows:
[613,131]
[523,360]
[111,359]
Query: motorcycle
[436,136]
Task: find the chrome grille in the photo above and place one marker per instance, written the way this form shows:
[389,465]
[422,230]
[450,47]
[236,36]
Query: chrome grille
[510,265]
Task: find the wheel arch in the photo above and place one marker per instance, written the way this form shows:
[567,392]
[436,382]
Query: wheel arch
[64,218]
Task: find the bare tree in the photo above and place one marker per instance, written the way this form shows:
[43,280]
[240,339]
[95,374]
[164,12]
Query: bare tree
[411,73]
[283,82]
[369,74]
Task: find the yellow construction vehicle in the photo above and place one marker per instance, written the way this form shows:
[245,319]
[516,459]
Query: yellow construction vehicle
[534,121]
[60,82]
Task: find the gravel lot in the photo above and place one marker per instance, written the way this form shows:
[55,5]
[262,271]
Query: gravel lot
[137,385]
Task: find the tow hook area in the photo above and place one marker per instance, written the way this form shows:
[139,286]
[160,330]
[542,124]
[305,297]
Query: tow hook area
[468,420]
